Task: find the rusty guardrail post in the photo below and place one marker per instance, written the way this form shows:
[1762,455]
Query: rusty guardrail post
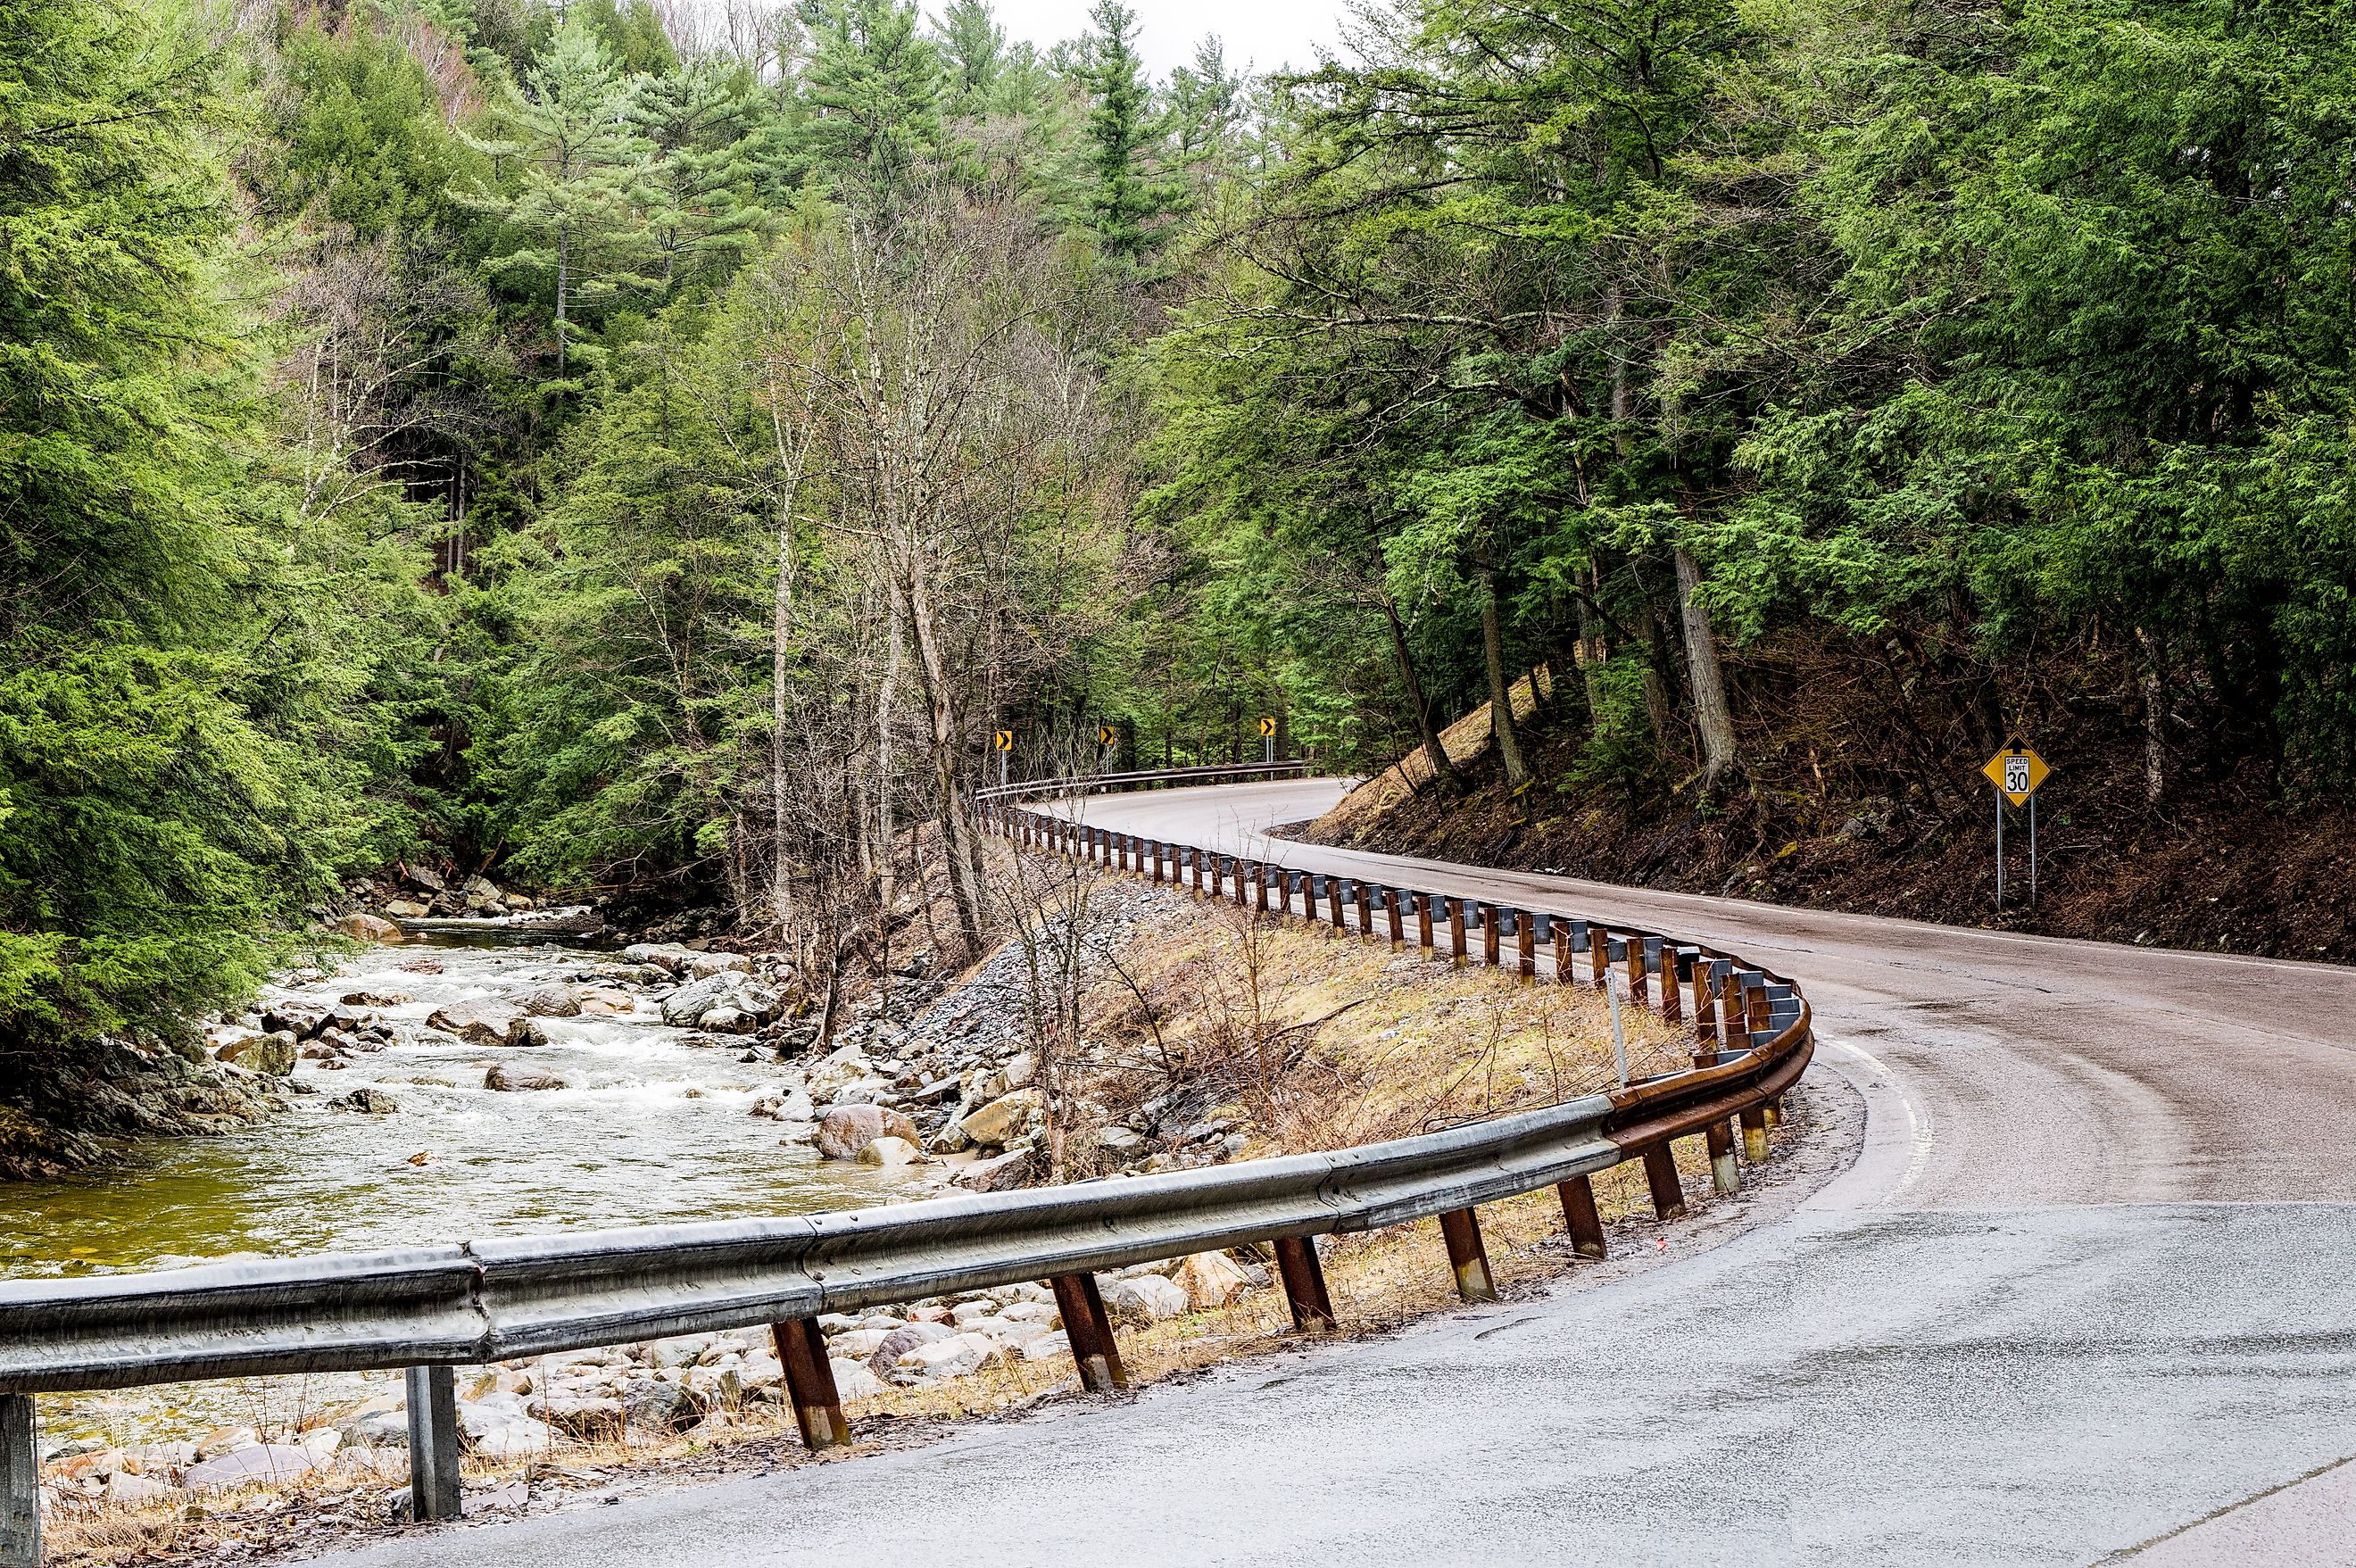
[1455,930]
[433,1398]
[1579,1216]
[1423,923]
[1599,955]
[1333,903]
[1562,970]
[1525,950]
[1365,902]
[1089,1330]
[1470,1260]
[1395,917]
[1304,1283]
[809,1382]
[20,1484]
[1488,935]
[1661,1176]
[1639,981]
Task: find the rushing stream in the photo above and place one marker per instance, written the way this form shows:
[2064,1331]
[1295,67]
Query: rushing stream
[648,1129]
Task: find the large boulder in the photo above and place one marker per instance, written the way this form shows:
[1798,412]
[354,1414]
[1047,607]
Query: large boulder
[662,955]
[1003,1118]
[902,1340]
[370,1101]
[1209,1279]
[245,1466]
[951,1357]
[889,1152]
[690,1002]
[369,929]
[272,1053]
[845,1131]
[1145,1301]
[1004,1174]
[554,1002]
[605,1002]
[705,963]
[844,1067]
[473,1021]
[852,1380]
[507,1079]
[523,1029]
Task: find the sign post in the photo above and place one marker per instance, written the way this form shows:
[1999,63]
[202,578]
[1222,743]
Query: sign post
[2016,772]
[1268,735]
[1004,741]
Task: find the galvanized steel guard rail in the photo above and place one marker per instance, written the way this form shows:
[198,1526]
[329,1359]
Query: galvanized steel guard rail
[431,1309]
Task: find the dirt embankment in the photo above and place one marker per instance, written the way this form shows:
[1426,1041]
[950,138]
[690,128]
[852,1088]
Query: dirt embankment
[2217,865]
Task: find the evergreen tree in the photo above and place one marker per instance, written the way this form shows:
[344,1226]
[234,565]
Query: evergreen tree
[698,119]
[975,48]
[875,88]
[579,175]
[1121,133]
[171,782]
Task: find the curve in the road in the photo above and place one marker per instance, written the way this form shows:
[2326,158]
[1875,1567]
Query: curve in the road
[2084,1296]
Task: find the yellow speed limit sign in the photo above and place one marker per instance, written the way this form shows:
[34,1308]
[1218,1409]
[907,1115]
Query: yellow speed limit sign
[2018,771]
[1003,740]
[1268,727]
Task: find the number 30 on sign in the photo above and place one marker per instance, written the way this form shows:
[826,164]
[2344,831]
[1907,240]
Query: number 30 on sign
[2018,771]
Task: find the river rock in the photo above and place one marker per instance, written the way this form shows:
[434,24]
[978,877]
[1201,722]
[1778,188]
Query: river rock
[701,964]
[272,1054]
[554,1002]
[664,956]
[727,1021]
[902,1340]
[852,1380]
[472,1022]
[845,1066]
[124,1487]
[1209,1279]
[606,1003]
[508,1080]
[890,1151]
[690,1002]
[656,1402]
[1002,1118]
[793,1105]
[404,909]
[951,1357]
[846,1130]
[420,966]
[523,1029]
[1145,1301]
[372,1101]
[1002,1174]
[369,929]
[424,877]
[263,1462]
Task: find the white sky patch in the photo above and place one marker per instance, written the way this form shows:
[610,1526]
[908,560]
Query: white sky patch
[1262,34]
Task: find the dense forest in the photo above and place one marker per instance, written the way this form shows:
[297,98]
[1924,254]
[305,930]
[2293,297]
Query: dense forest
[647,448]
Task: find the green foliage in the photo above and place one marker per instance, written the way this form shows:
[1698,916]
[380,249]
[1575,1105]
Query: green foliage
[174,777]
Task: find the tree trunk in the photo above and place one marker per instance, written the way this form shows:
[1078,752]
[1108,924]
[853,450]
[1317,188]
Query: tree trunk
[961,848]
[564,258]
[1711,712]
[1434,753]
[2155,724]
[1501,691]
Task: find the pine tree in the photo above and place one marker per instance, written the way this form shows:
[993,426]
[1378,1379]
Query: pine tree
[874,90]
[1119,133]
[698,118]
[976,48]
[580,178]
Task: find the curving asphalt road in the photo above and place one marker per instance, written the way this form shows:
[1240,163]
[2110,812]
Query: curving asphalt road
[2085,1295]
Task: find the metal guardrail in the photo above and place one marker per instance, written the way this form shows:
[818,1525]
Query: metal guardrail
[431,1309]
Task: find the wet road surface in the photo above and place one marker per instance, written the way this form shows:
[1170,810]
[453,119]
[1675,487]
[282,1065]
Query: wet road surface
[2084,1297]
